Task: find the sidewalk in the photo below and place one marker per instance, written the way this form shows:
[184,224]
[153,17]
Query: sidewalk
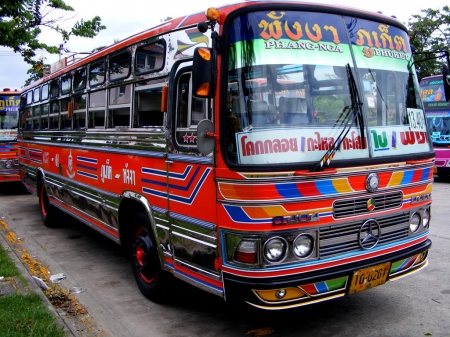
[72,325]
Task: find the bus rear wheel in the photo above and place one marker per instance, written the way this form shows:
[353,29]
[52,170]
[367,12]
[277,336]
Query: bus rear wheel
[145,263]
[48,212]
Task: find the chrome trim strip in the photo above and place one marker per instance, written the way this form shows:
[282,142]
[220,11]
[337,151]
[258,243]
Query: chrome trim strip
[195,269]
[194,240]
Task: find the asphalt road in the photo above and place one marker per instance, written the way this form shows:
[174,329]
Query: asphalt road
[418,305]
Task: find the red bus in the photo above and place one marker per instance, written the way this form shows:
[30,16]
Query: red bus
[9,112]
[274,153]
[437,112]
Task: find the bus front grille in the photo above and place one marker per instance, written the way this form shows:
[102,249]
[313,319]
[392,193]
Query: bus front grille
[350,207]
[342,239]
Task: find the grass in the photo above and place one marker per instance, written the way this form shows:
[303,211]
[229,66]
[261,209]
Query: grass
[24,315]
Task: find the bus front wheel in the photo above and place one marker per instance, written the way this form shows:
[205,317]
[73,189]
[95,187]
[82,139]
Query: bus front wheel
[150,278]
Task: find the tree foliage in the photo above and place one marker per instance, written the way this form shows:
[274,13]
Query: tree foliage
[430,32]
[21,22]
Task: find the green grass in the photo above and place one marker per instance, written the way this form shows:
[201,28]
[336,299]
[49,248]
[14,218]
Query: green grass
[24,315]
[7,267]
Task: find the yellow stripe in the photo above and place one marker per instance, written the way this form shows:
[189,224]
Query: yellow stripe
[342,185]
[396,179]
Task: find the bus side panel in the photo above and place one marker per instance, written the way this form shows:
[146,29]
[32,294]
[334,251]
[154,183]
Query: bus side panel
[193,229]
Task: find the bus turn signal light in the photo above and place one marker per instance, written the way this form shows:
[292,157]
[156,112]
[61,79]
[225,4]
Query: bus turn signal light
[212,14]
[203,90]
[205,53]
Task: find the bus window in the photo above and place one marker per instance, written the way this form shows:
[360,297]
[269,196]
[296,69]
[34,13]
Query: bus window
[66,84]
[36,95]
[96,119]
[54,115]
[54,88]
[79,112]
[29,97]
[119,66]
[44,116]
[150,58]
[79,79]
[36,117]
[148,108]
[97,73]
[44,92]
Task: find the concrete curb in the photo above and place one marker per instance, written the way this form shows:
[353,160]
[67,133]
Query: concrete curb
[32,286]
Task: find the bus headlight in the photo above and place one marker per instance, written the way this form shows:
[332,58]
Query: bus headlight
[426,218]
[8,164]
[275,249]
[414,222]
[303,245]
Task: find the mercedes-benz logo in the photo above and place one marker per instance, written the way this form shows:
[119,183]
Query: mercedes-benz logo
[369,234]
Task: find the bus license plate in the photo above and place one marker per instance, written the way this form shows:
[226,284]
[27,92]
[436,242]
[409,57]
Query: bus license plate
[370,277]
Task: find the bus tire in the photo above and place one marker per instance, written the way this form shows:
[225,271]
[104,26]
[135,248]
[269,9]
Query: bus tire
[145,263]
[48,212]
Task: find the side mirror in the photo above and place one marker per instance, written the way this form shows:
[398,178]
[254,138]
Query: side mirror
[205,136]
[446,78]
[203,83]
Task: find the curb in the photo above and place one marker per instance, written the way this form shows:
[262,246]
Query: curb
[31,284]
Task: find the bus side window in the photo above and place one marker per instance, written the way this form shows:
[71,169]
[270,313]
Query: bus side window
[36,117]
[79,112]
[119,106]
[96,114]
[148,108]
[44,116]
[54,115]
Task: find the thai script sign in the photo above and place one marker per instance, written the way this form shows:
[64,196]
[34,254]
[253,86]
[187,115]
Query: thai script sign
[300,145]
[9,103]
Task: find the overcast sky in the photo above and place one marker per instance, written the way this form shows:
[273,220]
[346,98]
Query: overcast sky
[140,15]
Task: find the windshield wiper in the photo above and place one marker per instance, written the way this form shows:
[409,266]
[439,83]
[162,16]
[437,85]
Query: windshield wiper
[345,123]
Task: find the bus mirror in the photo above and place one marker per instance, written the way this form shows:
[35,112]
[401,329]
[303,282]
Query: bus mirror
[446,78]
[164,96]
[205,136]
[202,73]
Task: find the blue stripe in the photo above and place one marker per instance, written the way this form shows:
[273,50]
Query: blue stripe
[89,160]
[288,191]
[87,167]
[425,174]
[85,174]
[321,287]
[407,177]
[326,187]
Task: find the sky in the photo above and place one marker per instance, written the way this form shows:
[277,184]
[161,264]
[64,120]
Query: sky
[140,15]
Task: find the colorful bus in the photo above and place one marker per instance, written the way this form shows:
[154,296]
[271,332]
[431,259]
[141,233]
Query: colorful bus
[274,153]
[9,112]
[437,112]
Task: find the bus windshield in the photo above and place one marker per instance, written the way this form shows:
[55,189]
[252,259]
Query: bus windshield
[437,109]
[289,91]
[9,109]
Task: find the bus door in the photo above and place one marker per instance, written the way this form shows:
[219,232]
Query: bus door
[191,188]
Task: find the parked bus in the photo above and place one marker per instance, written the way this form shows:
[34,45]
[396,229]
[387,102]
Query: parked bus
[275,153]
[437,112]
[9,112]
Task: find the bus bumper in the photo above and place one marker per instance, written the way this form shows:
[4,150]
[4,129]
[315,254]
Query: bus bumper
[313,287]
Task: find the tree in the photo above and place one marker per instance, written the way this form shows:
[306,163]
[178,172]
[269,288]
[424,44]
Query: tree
[430,32]
[21,22]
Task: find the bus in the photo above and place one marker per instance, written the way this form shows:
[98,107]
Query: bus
[9,112]
[271,153]
[437,112]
